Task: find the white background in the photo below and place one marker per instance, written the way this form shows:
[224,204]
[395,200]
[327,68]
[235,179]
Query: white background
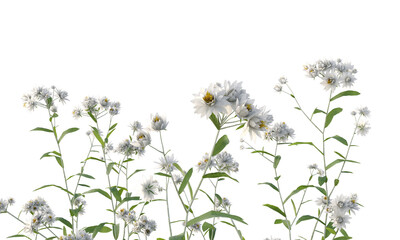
[153,55]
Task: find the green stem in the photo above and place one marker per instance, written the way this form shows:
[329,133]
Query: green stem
[234,225]
[301,203]
[166,199]
[25,224]
[83,167]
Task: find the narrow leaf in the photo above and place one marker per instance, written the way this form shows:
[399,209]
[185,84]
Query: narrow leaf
[219,175]
[185,180]
[71,130]
[345,93]
[330,116]
[212,214]
[277,159]
[276,209]
[271,185]
[220,145]
[42,129]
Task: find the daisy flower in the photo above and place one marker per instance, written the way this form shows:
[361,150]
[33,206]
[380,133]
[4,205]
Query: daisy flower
[363,128]
[149,189]
[340,219]
[167,163]
[158,123]
[330,80]
[210,101]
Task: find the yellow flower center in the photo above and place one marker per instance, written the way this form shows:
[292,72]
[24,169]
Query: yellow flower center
[208,98]
[249,107]
[330,80]
[206,160]
[262,125]
[156,119]
[305,67]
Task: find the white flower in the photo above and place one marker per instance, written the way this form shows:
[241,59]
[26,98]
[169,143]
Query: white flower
[210,101]
[149,189]
[363,128]
[313,166]
[258,124]
[62,95]
[136,126]
[11,201]
[158,123]
[3,205]
[90,103]
[283,80]
[330,80]
[278,88]
[77,113]
[167,163]
[29,102]
[80,203]
[127,216]
[145,225]
[178,178]
[352,203]
[311,70]
[83,235]
[205,162]
[344,67]
[340,204]
[114,108]
[324,65]
[126,148]
[347,79]
[323,201]
[41,93]
[225,163]
[246,110]
[353,113]
[104,102]
[280,132]
[143,138]
[364,111]
[195,227]
[340,219]
[234,93]
[53,109]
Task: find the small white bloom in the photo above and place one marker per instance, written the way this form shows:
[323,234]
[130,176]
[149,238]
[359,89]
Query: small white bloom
[234,93]
[77,113]
[149,189]
[104,102]
[158,123]
[178,178]
[53,109]
[114,108]
[283,80]
[41,93]
[278,88]
[29,102]
[143,138]
[311,71]
[210,101]
[341,204]
[3,205]
[352,203]
[330,80]
[11,201]
[353,113]
[195,227]
[340,219]
[280,132]
[136,126]
[364,111]
[201,166]
[258,124]
[90,104]
[167,163]
[246,110]
[323,201]
[363,128]
[62,95]
[347,79]
[225,163]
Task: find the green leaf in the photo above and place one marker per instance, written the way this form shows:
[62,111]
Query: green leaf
[110,167]
[185,181]
[308,217]
[98,229]
[65,231]
[215,121]
[71,130]
[318,111]
[50,154]
[207,196]
[220,145]
[127,199]
[336,182]
[330,116]
[297,108]
[136,171]
[343,238]
[322,180]
[286,223]
[263,152]
[162,174]
[92,117]
[42,129]
[210,228]
[115,231]
[52,185]
[345,93]
[339,161]
[60,161]
[297,190]
[339,138]
[98,137]
[340,155]
[331,230]
[241,126]
[276,209]
[271,185]
[85,175]
[19,235]
[277,159]
[116,193]
[102,192]
[178,237]
[64,221]
[219,175]
[294,207]
[307,143]
[103,229]
[213,214]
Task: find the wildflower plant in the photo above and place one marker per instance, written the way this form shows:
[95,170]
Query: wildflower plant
[228,106]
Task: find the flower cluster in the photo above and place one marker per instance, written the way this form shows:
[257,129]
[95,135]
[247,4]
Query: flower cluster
[127,216]
[280,132]
[314,169]
[225,163]
[167,163]
[228,98]
[42,215]
[206,162]
[80,203]
[362,127]
[145,225]
[44,97]
[340,208]
[97,107]
[4,204]
[81,235]
[223,204]
[332,73]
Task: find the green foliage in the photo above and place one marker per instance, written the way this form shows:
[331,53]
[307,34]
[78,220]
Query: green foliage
[276,209]
[345,93]
[213,214]
[220,145]
[185,181]
[219,175]
[330,116]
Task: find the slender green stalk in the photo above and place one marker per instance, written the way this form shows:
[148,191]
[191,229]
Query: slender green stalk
[215,197]
[201,181]
[166,199]
[234,225]
[53,126]
[83,167]
[51,231]
[280,194]
[301,109]
[25,224]
[301,204]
